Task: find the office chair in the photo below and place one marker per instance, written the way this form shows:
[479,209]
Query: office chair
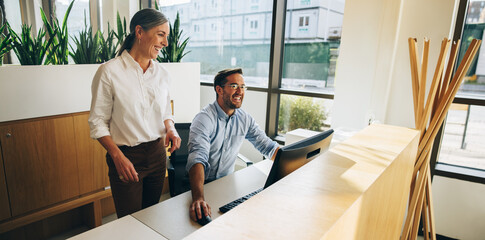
[178,180]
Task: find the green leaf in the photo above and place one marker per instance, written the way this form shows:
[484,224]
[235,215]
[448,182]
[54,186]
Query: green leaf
[175,50]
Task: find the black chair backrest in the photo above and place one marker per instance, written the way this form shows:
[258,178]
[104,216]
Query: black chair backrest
[183,130]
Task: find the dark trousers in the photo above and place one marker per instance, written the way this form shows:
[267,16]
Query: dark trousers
[149,160]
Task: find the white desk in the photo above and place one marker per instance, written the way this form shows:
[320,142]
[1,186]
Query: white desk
[171,217]
[124,228]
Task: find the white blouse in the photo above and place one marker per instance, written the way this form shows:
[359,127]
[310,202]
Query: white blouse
[128,104]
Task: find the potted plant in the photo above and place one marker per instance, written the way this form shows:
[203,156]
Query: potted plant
[5,43]
[174,52]
[30,50]
[87,46]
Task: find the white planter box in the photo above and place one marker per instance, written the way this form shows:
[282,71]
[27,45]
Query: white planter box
[38,91]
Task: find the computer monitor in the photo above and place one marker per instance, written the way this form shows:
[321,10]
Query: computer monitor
[293,156]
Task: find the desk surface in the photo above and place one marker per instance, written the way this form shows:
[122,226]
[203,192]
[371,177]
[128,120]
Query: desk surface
[171,217]
[124,228]
[356,190]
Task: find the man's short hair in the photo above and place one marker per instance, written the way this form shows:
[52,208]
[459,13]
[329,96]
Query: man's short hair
[220,78]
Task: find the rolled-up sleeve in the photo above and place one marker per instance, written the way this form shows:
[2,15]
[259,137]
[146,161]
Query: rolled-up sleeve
[168,108]
[260,141]
[199,142]
[101,104]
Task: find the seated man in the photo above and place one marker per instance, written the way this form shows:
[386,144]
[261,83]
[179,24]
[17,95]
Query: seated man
[216,135]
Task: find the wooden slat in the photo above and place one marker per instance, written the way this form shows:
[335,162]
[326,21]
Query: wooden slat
[92,167]
[434,84]
[439,100]
[451,92]
[4,203]
[416,194]
[422,81]
[449,68]
[51,211]
[414,76]
[429,197]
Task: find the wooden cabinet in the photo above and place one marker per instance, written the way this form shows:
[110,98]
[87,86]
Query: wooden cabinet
[4,204]
[40,163]
[48,161]
[93,170]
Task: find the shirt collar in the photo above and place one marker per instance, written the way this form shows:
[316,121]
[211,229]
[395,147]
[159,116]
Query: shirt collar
[223,115]
[130,61]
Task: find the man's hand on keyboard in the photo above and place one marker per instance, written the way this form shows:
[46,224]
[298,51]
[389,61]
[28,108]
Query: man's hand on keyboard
[199,208]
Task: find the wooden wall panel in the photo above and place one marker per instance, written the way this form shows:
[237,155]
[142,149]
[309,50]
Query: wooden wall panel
[40,163]
[4,203]
[93,171]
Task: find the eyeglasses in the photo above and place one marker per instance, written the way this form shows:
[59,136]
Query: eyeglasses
[235,86]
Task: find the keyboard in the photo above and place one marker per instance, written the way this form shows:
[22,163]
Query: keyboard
[238,201]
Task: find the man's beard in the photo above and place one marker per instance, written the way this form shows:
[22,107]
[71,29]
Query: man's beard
[227,101]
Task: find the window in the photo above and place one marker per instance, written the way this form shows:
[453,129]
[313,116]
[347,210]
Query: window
[79,16]
[463,138]
[254,24]
[12,14]
[229,38]
[309,113]
[310,56]
[304,21]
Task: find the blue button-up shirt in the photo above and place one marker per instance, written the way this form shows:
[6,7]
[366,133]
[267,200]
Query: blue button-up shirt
[215,139]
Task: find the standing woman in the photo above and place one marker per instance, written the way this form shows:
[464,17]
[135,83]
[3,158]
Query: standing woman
[131,114]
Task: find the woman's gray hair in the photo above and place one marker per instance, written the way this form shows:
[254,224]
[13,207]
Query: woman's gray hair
[147,18]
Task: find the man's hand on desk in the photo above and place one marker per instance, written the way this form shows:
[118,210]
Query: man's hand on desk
[199,208]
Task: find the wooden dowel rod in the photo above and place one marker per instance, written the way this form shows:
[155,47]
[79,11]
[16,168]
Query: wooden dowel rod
[449,68]
[429,197]
[413,203]
[451,92]
[422,80]
[424,217]
[437,97]
[414,75]
[417,212]
[434,84]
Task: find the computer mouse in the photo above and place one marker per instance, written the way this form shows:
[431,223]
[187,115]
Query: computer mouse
[204,220]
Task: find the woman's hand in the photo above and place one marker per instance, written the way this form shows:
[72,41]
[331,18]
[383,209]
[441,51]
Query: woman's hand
[124,167]
[172,136]
[126,170]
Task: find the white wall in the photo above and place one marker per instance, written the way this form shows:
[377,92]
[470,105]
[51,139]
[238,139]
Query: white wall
[373,66]
[459,208]
[373,71]
[38,91]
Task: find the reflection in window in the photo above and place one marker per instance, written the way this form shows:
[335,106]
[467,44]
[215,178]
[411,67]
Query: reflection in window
[303,112]
[464,137]
[227,34]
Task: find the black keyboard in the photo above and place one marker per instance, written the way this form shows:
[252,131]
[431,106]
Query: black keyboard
[238,201]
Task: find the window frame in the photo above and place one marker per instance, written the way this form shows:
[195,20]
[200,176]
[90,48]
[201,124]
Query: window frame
[449,170]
